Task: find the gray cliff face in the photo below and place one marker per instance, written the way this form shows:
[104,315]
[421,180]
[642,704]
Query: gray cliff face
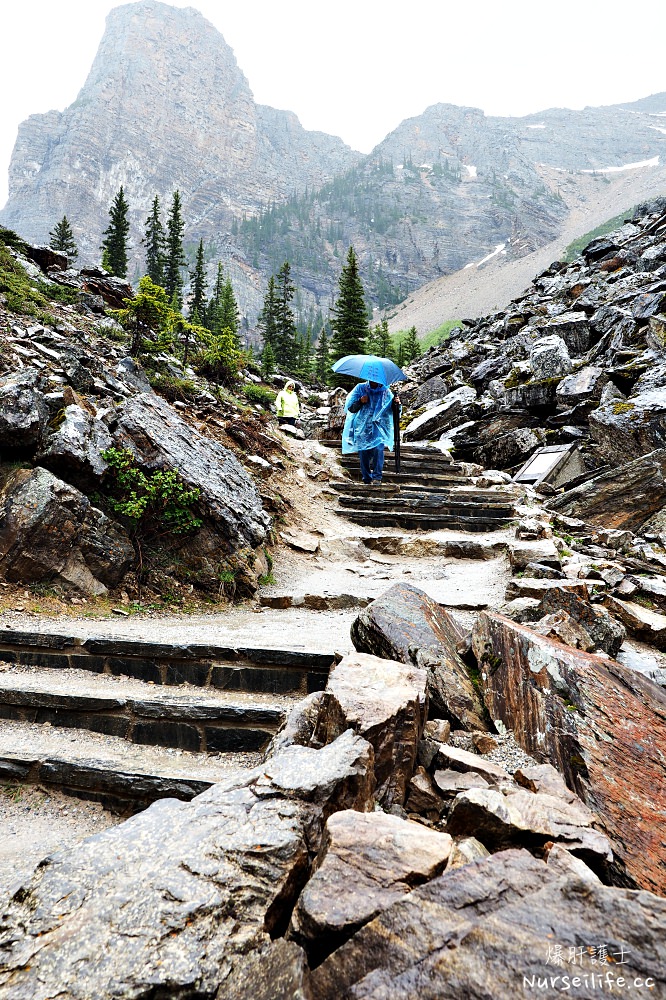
[165,106]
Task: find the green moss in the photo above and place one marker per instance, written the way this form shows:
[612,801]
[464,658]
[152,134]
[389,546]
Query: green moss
[618,408]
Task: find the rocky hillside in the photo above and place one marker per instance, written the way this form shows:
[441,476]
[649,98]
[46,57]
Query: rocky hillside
[165,106]
[104,485]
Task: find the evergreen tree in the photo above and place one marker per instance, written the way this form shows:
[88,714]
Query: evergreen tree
[174,256]
[267,361]
[154,240]
[62,239]
[322,365]
[379,341]
[267,321]
[411,349]
[229,313]
[304,353]
[114,247]
[199,283]
[212,316]
[349,313]
[285,346]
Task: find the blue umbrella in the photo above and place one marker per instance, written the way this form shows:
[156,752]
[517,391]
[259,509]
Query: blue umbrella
[371,368]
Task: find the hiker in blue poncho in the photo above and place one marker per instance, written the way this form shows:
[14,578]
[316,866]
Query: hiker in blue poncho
[369,427]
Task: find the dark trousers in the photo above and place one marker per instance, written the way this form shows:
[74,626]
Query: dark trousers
[372,463]
[287,420]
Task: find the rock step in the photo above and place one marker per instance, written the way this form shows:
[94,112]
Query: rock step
[410,465]
[202,721]
[276,671]
[434,504]
[407,476]
[121,775]
[420,490]
[429,522]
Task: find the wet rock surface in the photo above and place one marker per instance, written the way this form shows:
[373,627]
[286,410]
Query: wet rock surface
[405,624]
[602,725]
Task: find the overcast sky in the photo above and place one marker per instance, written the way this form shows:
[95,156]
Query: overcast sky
[356,68]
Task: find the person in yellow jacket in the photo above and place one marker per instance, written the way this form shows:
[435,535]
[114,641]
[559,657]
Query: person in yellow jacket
[287,405]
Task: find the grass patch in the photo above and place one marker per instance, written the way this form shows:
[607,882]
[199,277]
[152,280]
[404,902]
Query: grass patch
[440,335]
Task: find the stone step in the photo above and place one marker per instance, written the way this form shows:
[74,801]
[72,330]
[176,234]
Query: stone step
[427,522]
[434,505]
[427,498]
[453,478]
[410,465]
[122,776]
[186,718]
[277,671]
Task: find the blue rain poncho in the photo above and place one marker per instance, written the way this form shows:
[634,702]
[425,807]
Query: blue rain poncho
[372,425]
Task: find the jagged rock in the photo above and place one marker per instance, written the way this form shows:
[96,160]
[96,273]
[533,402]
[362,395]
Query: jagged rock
[484,742]
[561,626]
[49,530]
[625,497]
[438,730]
[602,725]
[605,631]
[544,778]
[160,439]
[422,796]
[549,358]
[302,541]
[23,411]
[538,571]
[562,862]
[464,851]
[368,861]
[450,783]
[574,330]
[455,759]
[280,969]
[404,619]
[586,383]
[75,447]
[541,551]
[499,817]
[491,927]
[522,609]
[639,621]
[385,702]
[635,426]
[172,913]
[438,418]
[511,448]
[528,587]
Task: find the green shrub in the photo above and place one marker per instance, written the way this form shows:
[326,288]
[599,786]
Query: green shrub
[152,504]
[313,400]
[259,394]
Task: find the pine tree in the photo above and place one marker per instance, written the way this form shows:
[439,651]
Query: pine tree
[154,240]
[212,315]
[322,364]
[267,321]
[62,239]
[411,349]
[114,247]
[229,313]
[174,255]
[199,283]
[267,361]
[379,341]
[349,313]
[286,347]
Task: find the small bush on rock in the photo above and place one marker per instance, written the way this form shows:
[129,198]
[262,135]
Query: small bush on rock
[153,504]
[258,394]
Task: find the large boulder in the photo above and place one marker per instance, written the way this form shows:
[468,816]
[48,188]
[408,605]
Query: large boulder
[405,624]
[605,631]
[627,428]
[549,358]
[386,703]
[160,439]
[585,384]
[440,417]
[574,329]
[49,531]
[369,861]
[75,447]
[499,927]
[24,412]
[602,725]
[169,902]
[625,497]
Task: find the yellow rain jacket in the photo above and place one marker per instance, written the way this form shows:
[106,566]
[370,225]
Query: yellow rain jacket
[287,404]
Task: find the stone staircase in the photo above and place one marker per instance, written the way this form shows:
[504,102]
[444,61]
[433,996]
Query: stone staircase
[125,721]
[429,492]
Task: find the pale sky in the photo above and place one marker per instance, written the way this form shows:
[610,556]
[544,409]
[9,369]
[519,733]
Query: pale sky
[357,68]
